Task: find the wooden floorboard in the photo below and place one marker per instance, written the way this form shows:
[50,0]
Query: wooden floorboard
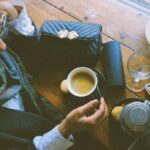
[141,5]
[40,11]
[120,21]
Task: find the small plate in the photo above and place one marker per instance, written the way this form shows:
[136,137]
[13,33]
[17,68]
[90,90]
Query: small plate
[120,140]
[73,102]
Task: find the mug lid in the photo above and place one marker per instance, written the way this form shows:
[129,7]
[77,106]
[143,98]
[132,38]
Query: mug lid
[136,116]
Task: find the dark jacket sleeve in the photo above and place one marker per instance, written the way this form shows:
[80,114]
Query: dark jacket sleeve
[10,142]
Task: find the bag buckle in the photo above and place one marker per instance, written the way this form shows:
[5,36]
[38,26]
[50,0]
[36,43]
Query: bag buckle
[66,34]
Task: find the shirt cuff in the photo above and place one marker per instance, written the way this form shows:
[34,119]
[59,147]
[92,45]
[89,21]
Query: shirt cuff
[53,140]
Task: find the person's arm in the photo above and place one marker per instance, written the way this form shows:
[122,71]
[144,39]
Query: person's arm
[10,9]
[2,45]
[53,140]
[60,138]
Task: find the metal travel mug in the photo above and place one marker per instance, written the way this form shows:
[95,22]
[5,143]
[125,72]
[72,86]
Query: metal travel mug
[135,118]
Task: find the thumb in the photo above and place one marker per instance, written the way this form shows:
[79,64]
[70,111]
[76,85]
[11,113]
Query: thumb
[2,45]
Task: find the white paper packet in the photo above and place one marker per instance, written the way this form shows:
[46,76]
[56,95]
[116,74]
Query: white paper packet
[23,24]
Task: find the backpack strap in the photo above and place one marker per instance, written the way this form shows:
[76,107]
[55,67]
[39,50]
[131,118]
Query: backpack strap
[18,72]
[3,81]
[9,93]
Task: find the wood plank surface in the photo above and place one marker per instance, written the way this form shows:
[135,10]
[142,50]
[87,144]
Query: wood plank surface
[41,11]
[119,21]
[48,83]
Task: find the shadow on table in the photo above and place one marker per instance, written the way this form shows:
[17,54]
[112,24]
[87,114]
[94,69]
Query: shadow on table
[86,142]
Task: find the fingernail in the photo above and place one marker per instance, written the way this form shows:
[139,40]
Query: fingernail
[102,99]
[96,100]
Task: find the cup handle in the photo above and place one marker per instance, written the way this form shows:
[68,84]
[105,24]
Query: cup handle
[99,93]
[63,87]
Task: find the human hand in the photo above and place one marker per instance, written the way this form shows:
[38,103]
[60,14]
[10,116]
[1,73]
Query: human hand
[78,120]
[10,9]
[2,45]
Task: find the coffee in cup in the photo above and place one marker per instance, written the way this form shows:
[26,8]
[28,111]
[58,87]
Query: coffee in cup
[81,82]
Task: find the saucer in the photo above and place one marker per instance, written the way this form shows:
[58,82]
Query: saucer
[73,102]
[100,91]
[120,140]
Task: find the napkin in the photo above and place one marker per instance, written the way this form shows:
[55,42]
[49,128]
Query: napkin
[22,25]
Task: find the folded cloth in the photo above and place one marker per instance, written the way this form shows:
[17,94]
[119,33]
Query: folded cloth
[22,25]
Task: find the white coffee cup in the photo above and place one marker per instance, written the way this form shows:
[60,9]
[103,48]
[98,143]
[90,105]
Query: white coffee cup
[67,86]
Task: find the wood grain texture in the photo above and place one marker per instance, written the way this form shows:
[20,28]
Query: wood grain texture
[48,82]
[127,27]
[142,5]
[41,11]
[119,21]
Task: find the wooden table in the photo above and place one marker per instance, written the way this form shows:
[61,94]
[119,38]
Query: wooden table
[121,20]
